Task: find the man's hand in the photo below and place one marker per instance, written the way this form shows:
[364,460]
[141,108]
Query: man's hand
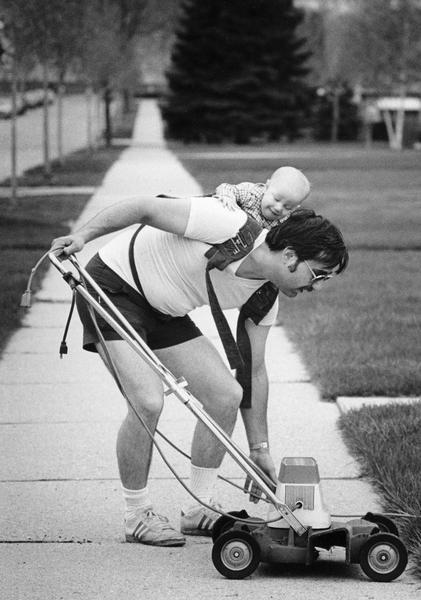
[262,459]
[67,244]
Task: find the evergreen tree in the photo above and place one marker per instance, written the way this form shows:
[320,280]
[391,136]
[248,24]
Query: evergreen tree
[236,72]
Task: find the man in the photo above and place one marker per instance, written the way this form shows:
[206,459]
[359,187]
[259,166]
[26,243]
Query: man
[167,261]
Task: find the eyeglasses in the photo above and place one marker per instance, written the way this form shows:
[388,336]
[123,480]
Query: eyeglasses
[322,276]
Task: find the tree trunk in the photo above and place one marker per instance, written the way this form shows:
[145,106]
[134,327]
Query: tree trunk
[99,119]
[108,134]
[89,124]
[13,144]
[60,93]
[335,116]
[46,132]
[126,100]
[368,134]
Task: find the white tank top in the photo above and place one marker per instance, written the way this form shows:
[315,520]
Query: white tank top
[172,268]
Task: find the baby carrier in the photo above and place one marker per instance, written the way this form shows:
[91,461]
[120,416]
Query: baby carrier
[257,306]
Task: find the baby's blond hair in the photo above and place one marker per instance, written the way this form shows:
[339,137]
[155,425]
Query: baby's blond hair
[295,177]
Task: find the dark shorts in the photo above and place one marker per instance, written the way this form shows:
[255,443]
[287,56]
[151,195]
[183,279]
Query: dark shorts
[156,329]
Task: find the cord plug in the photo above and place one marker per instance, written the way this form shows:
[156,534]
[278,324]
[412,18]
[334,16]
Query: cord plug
[26,299]
[63,348]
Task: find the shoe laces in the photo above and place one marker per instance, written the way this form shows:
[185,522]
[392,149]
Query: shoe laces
[215,507]
[154,518]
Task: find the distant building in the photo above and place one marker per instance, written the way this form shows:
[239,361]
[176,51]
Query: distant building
[380,112]
[331,5]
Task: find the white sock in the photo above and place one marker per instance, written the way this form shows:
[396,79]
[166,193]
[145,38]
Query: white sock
[202,483]
[136,501]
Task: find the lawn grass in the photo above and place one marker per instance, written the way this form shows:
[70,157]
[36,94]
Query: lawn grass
[386,441]
[360,335]
[26,230]
[85,167]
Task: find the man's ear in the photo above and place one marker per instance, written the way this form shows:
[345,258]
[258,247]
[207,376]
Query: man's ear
[291,259]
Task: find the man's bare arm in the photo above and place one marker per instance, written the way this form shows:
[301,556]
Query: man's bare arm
[168,214]
[255,418]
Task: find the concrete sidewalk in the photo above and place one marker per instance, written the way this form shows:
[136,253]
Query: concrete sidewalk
[58,478]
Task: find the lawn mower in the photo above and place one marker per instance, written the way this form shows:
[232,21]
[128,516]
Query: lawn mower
[298,527]
[372,541]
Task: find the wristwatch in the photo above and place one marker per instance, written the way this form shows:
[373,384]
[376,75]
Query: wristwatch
[259,446]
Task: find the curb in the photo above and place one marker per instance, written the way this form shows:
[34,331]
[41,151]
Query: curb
[347,403]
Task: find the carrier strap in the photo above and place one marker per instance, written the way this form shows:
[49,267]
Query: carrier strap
[160,315]
[135,274]
[231,349]
[220,256]
[256,307]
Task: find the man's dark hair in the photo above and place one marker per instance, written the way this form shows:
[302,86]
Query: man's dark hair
[312,237]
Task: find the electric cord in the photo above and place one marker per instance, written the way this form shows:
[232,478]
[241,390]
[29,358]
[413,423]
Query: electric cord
[384,514]
[225,480]
[221,477]
[125,326]
[26,303]
[63,344]
[173,445]
[114,373]
[27,294]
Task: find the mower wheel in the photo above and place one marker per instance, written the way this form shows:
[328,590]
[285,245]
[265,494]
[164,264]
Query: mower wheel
[225,522]
[236,554]
[383,557]
[385,524]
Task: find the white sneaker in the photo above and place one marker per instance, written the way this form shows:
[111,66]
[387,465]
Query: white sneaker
[152,529]
[199,520]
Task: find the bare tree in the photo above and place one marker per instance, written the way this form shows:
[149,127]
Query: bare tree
[50,32]
[369,44]
[331,63]
[66,22]
[108,61]
[16,40]
[112,57]
[101,58]
[8,63]
[39,20]
[384,41]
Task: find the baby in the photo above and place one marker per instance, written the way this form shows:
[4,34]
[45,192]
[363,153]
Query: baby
[269,203]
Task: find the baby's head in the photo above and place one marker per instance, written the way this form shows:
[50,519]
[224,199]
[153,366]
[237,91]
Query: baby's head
[285,191]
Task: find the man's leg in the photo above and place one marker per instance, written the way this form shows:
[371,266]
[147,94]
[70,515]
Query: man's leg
[144,389]
[211,382]
[213,385]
